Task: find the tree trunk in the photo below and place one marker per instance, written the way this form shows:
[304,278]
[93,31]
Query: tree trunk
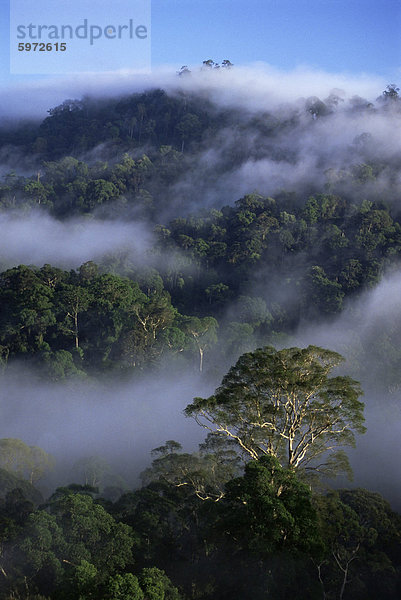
[201,359]
[344,583]
[76,330]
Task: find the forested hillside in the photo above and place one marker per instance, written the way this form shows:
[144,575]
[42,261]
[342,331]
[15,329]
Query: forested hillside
[245,250]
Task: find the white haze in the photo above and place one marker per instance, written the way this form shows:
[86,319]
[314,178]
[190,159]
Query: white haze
[377,456]
[120,422]
[254,87]
[296,157]
[300,156]
[261,86]
[377,310]
[36,238]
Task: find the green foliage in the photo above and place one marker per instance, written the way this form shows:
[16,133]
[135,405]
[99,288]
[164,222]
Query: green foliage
[92,534]
[123,587]
[83,580]
[283,403]
[362,538]
[203,473]
[269,510]
[326,295]
[318,249]
[28,462]
[157,586]
[77,323]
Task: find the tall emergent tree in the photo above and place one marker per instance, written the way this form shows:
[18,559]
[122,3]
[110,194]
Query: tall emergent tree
[284,403]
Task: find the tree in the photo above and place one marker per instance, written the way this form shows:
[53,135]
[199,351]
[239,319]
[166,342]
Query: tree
[124,587]
[238,338]
[217,294]
[92,469]
[30,462]
[81,583]
[60,365]
[15,456]
[253,310]
[154,315]
[204,473]
[326,295]
[184,71]
[42,547]
[99,191]
[40,463]
[189,127]
[38,192]
[68,549]
[74,300]
[269,510]
[91,534]
[208,64]
[283,403]
[362,543]
[26,309]
[96,472]
[157,586]
[11,484]
[110,314]
[390,93]
[316,107]
[203,333]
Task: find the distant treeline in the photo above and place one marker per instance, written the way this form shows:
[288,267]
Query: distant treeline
[257,269]
[156,118]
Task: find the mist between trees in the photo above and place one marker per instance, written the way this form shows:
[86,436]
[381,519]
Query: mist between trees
[169,245]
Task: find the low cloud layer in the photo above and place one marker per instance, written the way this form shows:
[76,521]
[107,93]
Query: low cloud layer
[365,334]
[256,87]
[36,238]
[121,422]
[274,142]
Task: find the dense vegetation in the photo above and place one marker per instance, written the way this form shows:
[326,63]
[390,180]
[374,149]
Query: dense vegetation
[204,272]
[250,514]
[238,517]
[260,266]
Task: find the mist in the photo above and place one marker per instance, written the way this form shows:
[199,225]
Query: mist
[274,141]
[254,87]
[123,421]
[36,238]
[360,334]
[304,157]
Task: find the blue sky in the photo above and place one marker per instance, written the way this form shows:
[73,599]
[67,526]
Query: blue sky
[334,35]
[352,36]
